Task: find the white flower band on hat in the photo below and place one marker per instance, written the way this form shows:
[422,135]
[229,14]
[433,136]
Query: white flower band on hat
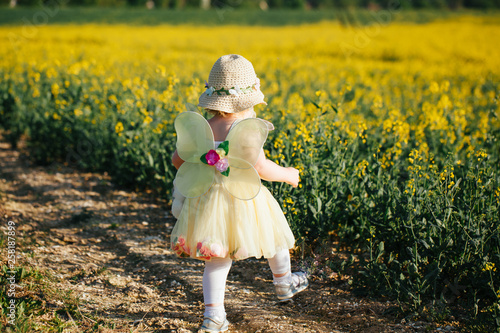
[236,90]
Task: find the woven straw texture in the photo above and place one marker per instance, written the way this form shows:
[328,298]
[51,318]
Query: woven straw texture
[228,72]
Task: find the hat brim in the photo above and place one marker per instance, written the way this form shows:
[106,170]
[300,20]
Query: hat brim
[231,103]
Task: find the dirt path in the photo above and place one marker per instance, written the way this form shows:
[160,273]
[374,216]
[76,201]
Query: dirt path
[106,248]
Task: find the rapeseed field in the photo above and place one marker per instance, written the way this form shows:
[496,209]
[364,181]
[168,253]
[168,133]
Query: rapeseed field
[394,126]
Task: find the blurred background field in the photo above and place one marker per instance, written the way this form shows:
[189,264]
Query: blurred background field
[391,115]
[219,16]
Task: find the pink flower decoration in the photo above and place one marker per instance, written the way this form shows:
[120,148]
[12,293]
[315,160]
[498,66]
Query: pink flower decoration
[181,247]
[216,250]
[212,157]
[205,251]
[222,165]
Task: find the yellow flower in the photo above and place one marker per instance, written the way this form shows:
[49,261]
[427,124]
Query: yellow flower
[113,99]
[36,93]
[119,127]
[490,266]
[221,152]
[54,89]
[434,87]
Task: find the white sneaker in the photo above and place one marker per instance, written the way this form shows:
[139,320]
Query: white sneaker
[214,325]
[285,292]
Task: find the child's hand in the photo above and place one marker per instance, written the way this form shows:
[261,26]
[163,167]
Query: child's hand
[293,177]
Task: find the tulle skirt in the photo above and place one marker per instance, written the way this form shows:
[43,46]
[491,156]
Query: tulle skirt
[217,224]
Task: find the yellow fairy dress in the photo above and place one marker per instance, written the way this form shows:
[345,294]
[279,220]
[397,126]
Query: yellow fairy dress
[227,212]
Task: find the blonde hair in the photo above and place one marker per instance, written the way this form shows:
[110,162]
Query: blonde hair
[217,112]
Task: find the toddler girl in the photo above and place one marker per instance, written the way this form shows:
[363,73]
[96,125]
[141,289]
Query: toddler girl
[223,212]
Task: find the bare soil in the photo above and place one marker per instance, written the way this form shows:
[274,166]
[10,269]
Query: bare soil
[107,248]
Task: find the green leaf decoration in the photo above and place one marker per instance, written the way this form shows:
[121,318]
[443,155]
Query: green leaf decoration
[204,159]
[225,145]
[225,173]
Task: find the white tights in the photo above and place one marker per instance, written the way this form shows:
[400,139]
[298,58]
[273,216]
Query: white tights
[215,275]
[214,280]
[280,263]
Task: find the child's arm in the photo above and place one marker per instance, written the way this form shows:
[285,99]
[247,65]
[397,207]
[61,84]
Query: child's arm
[176,160]
[270,171]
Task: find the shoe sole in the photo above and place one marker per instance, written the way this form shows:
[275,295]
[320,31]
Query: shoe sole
[288,298]
[224,328]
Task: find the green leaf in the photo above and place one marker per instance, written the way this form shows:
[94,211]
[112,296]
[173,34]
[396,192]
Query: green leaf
[316,105]
[225,145]
[203,158]
[424,243]
[225,173]
[151,161]
[313,209]
[381,247]
[349,96]
[320,205]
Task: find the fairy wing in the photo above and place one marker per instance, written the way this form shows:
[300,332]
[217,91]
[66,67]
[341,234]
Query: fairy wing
[246,139]
[194,138]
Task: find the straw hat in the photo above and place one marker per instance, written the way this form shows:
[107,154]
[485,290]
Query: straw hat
[232,86]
